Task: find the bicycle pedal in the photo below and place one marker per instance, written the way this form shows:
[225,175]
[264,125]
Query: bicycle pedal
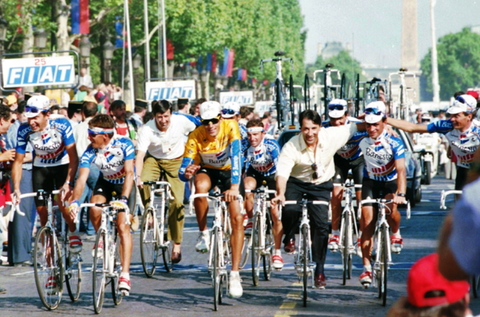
[125,292]
[366,285]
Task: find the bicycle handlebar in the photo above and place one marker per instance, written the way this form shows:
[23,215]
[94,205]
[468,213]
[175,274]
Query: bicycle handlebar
[160,183]
[279,59]
[260,191]
[347,185]
[217,196]
[384,202]
[326,70]
[302,201]
[444,195]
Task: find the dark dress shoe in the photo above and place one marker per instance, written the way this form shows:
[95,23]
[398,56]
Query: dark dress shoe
[290,246]
[176,257]
[320,281]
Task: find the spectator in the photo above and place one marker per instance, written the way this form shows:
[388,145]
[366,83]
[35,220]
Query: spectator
[85,79]
[429,294]
[148,116]
[12,102]
[195,111]
[140,110]
[74,112]
[123,126]
[20,230]
[246,114]
[266,120]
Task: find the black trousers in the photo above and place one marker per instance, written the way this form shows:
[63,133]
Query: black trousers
[318,215]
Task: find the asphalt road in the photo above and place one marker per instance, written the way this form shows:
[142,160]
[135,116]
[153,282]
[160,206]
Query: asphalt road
[187,290]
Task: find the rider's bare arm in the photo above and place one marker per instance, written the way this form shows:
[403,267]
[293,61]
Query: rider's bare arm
[73,165]
[401,177]
[80,183]
[407,126]
[129,178]
[17,170]
[139,165]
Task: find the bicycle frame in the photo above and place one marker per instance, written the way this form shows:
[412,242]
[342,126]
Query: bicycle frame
[404,109]
[328,87]
[160,189]
[348,212]
[260,209]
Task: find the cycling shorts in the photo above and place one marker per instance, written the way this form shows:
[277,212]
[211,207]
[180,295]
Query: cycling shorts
[342,166]
[222,179]
[48,178]
[461,179]
[106,189]
[377,189]
[269,180]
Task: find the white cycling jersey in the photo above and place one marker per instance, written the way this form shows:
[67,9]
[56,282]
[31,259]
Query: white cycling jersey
[464,144]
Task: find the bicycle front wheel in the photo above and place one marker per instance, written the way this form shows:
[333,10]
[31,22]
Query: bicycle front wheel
[384,266]
[346,255]
[215,268]
[305,259]
[256,252]
[48,268]
[149,242]
[117,269]
[167,248]
[74,275]
[99,277]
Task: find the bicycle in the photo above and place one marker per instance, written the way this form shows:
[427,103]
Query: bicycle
[474,279]
[106,266]
[53,262]
[280,93]
[383,255]
[329,90]
[219,256]
[154,229]
[401,107]
[303,260]
[348,229]
[262,241]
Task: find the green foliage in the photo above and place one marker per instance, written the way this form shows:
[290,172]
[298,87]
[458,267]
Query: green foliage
[458,57]
[255,29]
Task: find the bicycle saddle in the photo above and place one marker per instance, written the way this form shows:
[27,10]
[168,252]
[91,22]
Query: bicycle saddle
[279,53]
[329,65]
[403,69]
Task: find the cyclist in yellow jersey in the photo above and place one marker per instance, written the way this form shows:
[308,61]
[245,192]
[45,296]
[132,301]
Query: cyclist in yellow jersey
[213,153]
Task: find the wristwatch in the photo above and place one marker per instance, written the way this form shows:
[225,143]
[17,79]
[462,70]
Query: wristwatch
[401,194]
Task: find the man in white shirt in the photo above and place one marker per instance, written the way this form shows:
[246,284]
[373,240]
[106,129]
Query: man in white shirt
[161,143]
[306,166]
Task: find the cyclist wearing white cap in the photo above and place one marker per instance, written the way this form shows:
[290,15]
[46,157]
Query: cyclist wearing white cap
[213,153]
[349,157]
[55,162]
[384,177]
[462,135]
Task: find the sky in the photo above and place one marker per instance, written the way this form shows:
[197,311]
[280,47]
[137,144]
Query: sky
[375,27]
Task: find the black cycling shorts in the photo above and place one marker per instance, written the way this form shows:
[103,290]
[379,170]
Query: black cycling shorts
[342,166]
[222,179]
[461,179]
[108,190]
[377,189]
[48,178]
[270,181]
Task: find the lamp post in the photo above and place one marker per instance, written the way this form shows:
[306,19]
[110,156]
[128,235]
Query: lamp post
[108,49]
[84,47]
[3,37]
[136,65]
[40,38]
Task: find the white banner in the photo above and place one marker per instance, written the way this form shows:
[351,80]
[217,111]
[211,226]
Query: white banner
[170,90]
[244,98]
[38,71]
[263,106]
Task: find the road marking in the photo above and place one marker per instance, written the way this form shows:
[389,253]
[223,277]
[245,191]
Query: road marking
[288,305]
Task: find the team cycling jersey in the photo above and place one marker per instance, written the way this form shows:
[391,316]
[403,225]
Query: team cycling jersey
[464,144]
[243,134]
[111,160]
[380,156]
[264,157]
[221,152]
[445,126]
[49,145]
[351,150]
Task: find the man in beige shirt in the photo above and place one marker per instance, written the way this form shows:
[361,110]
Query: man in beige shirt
[306,167]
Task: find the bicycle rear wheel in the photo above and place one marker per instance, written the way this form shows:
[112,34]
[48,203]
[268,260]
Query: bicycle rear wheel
[256,252]
[148,242]
[305,263]
[99,277]
[215,269]
[269,245]
[117,269]
[48,268]
[74,275]
[247,244]
[346,260]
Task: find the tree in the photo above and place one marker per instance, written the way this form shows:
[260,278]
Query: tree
[458,63]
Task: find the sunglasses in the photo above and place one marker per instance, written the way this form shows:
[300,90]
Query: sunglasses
[228,111]
[213,121]
[336,107]
[460,98]
[373,111]
[33,109]
[315,174]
